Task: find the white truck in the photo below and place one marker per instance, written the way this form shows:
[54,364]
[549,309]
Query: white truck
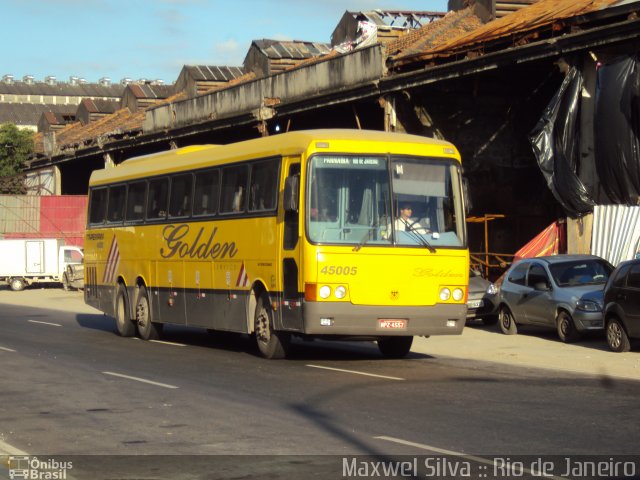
[27,261]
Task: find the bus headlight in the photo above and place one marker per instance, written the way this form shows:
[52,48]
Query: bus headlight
[445,294]
[458,294]
[340,292]
[325,291]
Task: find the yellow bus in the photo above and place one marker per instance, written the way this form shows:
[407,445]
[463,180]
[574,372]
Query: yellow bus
[335,234]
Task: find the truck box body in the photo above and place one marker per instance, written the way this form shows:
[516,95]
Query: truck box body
[26,261]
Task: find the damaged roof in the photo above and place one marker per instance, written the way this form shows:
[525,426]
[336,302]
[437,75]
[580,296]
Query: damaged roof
[122,122]
[397,18]
[544,13]
[295,50]
[452,25]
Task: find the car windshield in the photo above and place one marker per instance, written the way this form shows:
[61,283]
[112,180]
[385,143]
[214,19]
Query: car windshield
[583,272]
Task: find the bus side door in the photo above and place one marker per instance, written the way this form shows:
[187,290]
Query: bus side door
[291,304]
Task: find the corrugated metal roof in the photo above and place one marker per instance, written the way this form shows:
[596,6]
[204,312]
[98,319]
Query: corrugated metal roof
[100,105]
[214,73]
[62,89]
[616,232]
[541,14]
[30,113]
[295,50]
[146,90]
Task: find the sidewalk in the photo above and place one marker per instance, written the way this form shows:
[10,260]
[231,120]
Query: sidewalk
[536,348]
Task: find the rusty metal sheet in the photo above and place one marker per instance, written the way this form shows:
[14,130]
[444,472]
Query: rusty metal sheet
[540,14]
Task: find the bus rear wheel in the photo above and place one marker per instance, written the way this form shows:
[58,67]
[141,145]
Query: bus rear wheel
[272,344]
[395,347]
[147,329]
[126,328]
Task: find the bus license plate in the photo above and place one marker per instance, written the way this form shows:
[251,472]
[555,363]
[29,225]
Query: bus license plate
[392,324]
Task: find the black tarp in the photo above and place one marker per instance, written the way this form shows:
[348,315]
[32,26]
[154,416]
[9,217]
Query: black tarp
[556,140]
[617,129]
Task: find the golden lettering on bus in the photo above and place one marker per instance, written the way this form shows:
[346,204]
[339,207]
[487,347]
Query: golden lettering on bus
[432,272]
[176,238]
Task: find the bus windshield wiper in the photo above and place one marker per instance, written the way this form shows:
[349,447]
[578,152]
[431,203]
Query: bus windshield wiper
[365,238]
[420,239]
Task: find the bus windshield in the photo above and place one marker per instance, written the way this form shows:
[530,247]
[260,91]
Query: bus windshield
[373,200]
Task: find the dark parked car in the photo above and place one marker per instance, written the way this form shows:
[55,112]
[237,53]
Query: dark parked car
[481,302]
[560,291]
[622,306]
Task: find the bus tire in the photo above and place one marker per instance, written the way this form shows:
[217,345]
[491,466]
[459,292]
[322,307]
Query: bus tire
[17,284]
[272,344]
[124,324]
[147,328]
[395,347]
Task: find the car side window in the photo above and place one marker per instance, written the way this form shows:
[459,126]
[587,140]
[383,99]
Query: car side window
[621,277]
[518,274]
[537,274]
[633,280]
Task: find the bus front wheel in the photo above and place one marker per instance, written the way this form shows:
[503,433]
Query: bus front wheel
[147,329]
[272,344]
[395,347]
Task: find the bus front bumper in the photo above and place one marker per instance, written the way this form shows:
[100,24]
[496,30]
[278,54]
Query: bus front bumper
[339,318]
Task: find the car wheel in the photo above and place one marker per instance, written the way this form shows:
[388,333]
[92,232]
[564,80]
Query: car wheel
[567,328]
[395,347]
[507,321]
[617,337]
[65,283]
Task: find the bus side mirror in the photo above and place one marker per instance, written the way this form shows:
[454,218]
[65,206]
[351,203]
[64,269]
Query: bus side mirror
[291,193]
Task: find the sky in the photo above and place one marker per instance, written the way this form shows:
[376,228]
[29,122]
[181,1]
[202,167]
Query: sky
[154,39]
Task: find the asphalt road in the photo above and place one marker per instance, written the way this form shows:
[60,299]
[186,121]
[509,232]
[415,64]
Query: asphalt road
[72,386]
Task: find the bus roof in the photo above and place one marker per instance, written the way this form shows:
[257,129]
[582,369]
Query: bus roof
[291,143]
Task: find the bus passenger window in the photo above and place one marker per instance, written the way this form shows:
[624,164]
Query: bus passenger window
[157,199]
[98,205]
[135,201]
[205,200]
[234,183]
[115,207]
[264,186]
[180,203]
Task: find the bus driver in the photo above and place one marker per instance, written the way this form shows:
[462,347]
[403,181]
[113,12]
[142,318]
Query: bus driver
[405,224]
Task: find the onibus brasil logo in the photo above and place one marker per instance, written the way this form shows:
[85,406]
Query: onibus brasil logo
[25,467]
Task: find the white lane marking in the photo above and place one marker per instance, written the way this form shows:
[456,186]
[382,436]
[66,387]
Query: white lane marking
[46,323]
[169,343]
[443,451]
[5,349]
[7,449]
[355,372]
[138,379]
